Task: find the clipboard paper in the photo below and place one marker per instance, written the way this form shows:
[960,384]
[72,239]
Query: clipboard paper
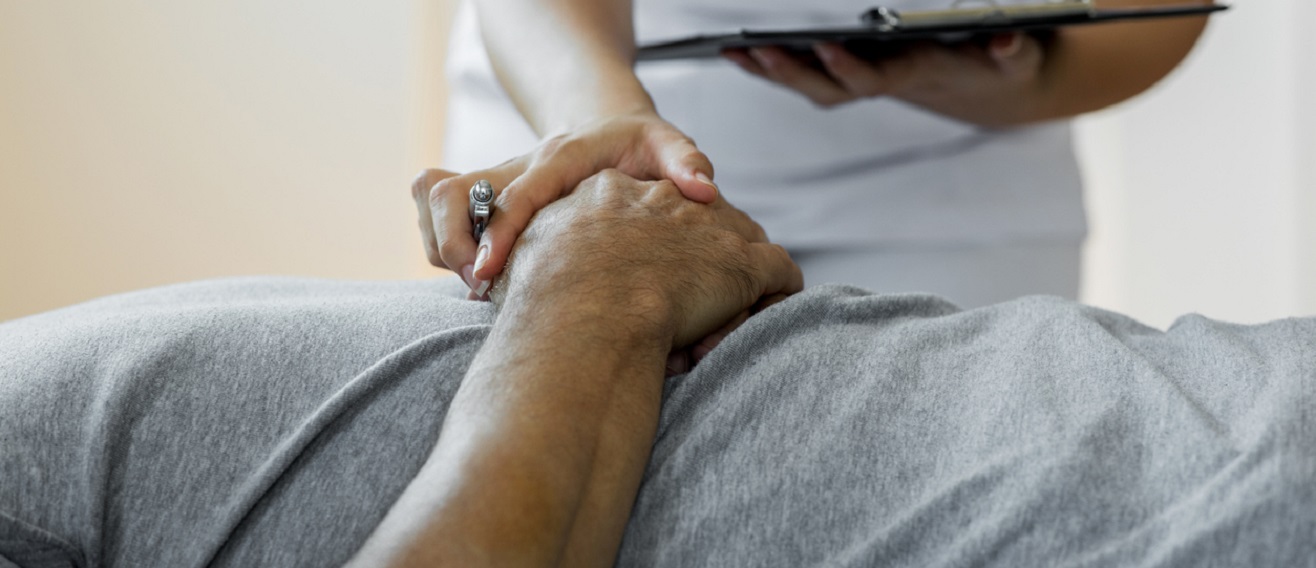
[881,27]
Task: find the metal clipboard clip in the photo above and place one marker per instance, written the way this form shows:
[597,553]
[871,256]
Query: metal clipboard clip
[987,12]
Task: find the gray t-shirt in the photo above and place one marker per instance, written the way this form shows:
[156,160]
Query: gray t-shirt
[272,422]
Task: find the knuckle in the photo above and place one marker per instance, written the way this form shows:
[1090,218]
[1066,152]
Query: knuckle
[448,251]
[665,188]
[508,196]
[611,176]
[612,188]
[730,244]
[557,147]
[420,186]
[438,192]
[513,200]
[433,255]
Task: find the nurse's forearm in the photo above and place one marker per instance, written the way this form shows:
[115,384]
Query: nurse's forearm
[1089,68]
[564,62]
[1081,69]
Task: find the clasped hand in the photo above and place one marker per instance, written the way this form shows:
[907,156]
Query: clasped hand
[640,144]
[642,252]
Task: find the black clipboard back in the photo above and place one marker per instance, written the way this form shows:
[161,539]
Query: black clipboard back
[886,27]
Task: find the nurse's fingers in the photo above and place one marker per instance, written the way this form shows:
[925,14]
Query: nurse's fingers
[780,67]
[1016,55]
[742,59]
[544,182]
[676,158]
[859,77]
[448,202]
[420,194]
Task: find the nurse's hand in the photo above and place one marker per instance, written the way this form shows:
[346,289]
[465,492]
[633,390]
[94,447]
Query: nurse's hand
[640,144]
[991,85]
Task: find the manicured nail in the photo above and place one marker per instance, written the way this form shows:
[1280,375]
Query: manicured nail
[482,255]
[481,288]
[468,276]
[763,58]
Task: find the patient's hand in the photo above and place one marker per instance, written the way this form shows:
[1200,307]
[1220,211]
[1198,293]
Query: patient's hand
[640,250]
[641,144]
[544,444]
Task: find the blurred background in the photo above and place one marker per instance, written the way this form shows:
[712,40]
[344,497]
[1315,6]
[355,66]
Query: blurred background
[145,142]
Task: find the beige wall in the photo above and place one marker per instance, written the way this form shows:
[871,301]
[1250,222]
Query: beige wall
[144,142]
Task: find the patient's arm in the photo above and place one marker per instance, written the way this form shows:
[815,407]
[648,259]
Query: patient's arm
[543,447]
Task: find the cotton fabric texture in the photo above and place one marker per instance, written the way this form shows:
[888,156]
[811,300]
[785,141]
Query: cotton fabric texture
[272,422]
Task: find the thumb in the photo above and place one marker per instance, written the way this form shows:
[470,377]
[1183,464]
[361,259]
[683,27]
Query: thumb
[1006,45]
[689,169]
[1016,54]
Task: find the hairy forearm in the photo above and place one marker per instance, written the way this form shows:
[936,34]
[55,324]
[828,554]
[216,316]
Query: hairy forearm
[564,62]
[542,449]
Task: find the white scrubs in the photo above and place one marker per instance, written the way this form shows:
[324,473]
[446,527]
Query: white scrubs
[876,193]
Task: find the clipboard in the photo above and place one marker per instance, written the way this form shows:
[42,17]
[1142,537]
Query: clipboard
[883,30]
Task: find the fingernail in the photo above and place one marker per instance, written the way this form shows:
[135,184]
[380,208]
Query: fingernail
[677,363]
[481,288]
[763,58]
[700,351]
[704,179]
[482,255]
[468,276]
[1011,48]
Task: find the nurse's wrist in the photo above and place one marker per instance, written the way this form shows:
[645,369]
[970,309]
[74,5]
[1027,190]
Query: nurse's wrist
[622,96]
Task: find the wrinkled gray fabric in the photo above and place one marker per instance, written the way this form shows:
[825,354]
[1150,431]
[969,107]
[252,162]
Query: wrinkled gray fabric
[272,422]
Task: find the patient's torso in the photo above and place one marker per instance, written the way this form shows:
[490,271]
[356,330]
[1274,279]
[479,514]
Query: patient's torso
[273,422]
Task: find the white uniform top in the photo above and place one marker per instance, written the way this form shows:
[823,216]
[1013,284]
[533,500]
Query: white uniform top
[875,173]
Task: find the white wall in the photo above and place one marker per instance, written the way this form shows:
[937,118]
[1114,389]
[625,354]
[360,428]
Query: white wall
[1306,125]
[1201,193]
